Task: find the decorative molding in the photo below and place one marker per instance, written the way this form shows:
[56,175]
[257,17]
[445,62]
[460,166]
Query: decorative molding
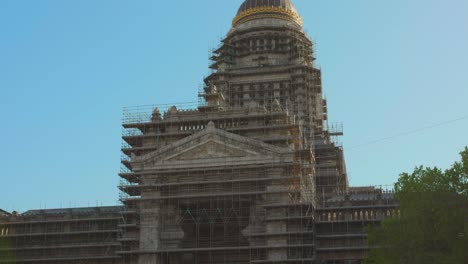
[267,12]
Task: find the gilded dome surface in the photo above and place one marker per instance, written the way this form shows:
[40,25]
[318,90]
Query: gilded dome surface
[257,9]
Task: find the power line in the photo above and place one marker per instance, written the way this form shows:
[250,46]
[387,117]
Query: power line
[414,131]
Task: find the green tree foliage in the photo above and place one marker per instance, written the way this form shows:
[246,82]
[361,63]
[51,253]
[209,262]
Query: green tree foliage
[433,222]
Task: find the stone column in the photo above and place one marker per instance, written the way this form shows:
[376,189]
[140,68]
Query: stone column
[279,225]
[256,224]
[172,234]
[149,232]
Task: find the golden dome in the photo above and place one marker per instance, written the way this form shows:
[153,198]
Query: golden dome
[258,9]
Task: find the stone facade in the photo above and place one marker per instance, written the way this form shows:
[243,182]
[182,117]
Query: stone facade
[253,174]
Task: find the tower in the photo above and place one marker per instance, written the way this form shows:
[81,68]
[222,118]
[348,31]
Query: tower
[267,59]
[238,179]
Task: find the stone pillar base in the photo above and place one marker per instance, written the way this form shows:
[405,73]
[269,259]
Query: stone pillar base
[148,259]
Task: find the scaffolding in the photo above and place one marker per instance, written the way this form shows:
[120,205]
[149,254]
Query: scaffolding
[78,235]
[245,213]
[341,222]
[234,211]
[253,172]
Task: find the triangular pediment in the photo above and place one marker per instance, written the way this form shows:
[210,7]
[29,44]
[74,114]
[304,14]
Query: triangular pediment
[211,147]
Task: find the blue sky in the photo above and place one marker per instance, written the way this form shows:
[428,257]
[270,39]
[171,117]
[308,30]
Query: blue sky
[67,68]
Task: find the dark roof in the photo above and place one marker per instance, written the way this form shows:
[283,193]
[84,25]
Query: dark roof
[4,213]
[85,210]
[363,197]
[250,4]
